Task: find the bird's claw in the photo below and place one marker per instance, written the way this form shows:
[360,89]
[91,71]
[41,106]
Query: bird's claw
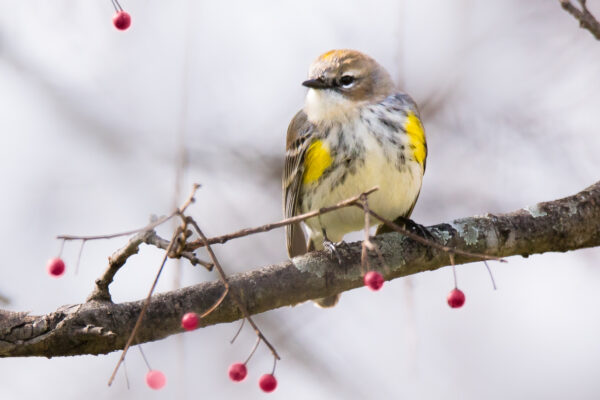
[332,248]
[417,229]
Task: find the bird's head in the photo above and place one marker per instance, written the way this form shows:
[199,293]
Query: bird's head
[340,82]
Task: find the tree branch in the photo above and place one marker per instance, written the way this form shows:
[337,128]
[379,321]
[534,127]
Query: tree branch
[584,16]
[98,327]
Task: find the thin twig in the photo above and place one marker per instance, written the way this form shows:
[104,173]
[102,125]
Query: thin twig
[126,375]
[62,246]
[144,235]
[366,244]
[234,295]
[79,257]
[144,357]
[253,350]
[217,303]
[274,365]
[584,16]
[238,331]
[118,259]
[146,228]
[428,242]
[115,5]
[451,256]
[161,243]
[491,275]
[352,201]
[115,262]
[138,323]
[288,221]
[117,2]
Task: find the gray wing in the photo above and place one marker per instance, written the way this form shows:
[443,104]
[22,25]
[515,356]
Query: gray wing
[298,139]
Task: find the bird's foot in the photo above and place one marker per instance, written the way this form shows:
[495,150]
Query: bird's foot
[333,249]
[415,228]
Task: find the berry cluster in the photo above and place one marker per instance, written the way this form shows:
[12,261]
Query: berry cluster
[238,372]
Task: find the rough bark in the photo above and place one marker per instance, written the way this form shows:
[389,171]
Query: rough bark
[97,327]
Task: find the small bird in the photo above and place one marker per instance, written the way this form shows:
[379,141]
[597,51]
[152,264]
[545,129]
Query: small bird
[356,131]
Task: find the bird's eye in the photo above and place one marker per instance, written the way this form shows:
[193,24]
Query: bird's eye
[347,81]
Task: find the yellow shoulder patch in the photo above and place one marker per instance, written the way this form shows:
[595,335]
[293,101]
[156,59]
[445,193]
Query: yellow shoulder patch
[416,137]
[316,161]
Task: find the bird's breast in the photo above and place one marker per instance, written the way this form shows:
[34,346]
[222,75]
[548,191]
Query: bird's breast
[361,154]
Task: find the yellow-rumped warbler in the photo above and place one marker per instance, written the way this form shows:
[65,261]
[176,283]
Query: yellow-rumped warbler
[356,131]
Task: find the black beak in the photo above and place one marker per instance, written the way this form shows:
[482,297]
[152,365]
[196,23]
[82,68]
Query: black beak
[318,83]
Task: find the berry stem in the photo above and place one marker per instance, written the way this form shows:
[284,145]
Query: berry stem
[238,331]
[116,5]
[62,246]
[253,350]
[234,295]
[126,375]
[274,365]
[451,255]
[145,359]
[79,257]
[491,275]
[146,304]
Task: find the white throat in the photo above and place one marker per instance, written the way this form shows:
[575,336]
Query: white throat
[328,106]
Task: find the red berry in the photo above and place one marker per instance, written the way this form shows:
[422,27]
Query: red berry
[267,383]
[55,267]
[238,372]
[156,379]
[456,298]
[122,20]
[373,280]
[189,321]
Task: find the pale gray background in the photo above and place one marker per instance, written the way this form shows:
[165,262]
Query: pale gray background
[90,119]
